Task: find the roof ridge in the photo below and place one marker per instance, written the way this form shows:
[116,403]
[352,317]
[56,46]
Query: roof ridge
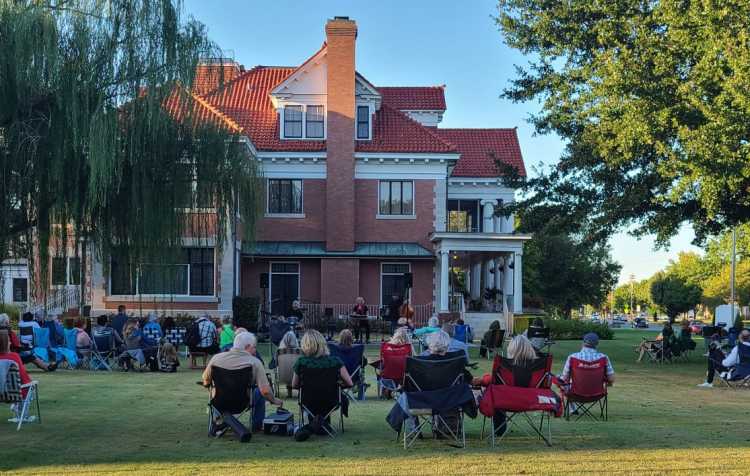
[424,128]
[515,128]
[204,102]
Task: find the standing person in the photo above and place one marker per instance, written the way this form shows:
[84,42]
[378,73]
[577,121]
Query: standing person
[240,356]
[207,338]
[226,336]
[118,322]
[393,310]
[360,310]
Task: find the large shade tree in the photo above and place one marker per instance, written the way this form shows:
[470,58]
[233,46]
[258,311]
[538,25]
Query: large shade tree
[674,294]
[653,102]
[99,132]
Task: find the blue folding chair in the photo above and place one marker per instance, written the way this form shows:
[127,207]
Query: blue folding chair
[352,358]
[462,333]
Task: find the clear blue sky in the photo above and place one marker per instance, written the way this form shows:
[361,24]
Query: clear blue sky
[413,43]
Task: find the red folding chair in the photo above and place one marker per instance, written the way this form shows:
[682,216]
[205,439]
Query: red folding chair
[586,388]
[538,374]
[392,366]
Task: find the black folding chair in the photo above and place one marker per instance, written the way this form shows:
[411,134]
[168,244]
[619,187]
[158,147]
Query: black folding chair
[430,374]
[231,397]
[320,396]
[352,358]
[495,344]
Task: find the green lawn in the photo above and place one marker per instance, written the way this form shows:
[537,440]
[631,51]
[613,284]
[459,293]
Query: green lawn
[156,423]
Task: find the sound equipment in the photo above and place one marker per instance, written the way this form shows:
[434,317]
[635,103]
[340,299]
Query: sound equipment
[263,280]
[328,312]
[408,280]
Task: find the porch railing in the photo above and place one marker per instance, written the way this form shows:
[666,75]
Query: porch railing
[315,313]
[57,300]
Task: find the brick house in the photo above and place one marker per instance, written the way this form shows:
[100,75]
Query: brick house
[362,187]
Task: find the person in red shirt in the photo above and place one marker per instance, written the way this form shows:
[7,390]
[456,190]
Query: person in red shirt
[6,354]
[16,346]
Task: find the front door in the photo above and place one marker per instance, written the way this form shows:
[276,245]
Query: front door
[284,287]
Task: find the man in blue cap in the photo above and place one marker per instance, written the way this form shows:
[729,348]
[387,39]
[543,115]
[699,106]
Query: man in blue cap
[588,353]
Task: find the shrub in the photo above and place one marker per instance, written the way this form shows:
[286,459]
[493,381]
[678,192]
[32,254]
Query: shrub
[570,329]
[14,312]
[245,312]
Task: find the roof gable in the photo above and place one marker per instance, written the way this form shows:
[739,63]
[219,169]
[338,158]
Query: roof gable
[414,98]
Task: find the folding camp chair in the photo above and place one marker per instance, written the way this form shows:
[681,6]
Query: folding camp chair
[13,395]
[519,404]
[495,343]
[462,333]
[176,337]
[352,359]
[230,397]
[319,397]
[587,389]
[537,374]
[103,351]
[283,372]
[541,335]
[392,366]
[434,377]
[83,355]
[729,377]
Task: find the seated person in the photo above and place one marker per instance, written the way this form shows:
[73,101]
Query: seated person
[484,347]
[662,345]
[406,323]
[362,324]
[133,339]
[242,355]
[286,356]
[346,341]
[7,354]
[152,332]
[536,325]
[588,353]
[295,315]
[401,336]
[315,354]
[226,336]
[207,337]
[685,339]
[102,330]
[83,340]
[25,353]
[56,331]
[433,325]
[168,359]
[715,361]
[736,364]
[522,354]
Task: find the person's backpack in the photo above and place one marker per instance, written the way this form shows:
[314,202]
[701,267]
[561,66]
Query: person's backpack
[193,335]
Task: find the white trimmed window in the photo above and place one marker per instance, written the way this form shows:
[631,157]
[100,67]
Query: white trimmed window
[303,122]
[363,122]
[191,275]
[66,271]
[396,198]
[284,197]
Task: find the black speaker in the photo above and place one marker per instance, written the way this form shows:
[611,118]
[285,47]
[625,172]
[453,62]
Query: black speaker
[263,280]
[408,280]
[328,313]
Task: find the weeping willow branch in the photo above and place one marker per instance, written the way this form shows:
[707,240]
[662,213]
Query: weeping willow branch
[97,133]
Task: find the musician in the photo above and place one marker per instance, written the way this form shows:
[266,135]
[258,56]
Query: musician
[296,312]
[359,312]
[394,310]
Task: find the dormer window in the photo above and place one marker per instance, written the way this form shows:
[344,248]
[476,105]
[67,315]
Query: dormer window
[363,122]
[293,122]
[314,127]
[303,122]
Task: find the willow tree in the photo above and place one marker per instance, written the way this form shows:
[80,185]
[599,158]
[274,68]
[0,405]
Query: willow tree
[101,138]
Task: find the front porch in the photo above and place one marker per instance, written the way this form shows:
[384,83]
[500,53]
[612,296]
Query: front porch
[480,275]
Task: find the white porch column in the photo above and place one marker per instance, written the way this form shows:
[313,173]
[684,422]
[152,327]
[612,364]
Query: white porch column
[499,273]
[507,280]
[518,291]
[488,211]
[476,280]
[444,285]
[509,223]
[488,281]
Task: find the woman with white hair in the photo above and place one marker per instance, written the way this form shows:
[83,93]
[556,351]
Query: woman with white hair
[433,325]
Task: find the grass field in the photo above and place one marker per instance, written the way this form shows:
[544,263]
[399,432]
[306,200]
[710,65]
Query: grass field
[156,424]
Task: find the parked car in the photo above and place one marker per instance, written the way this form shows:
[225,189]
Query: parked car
[696,327]
[640,323]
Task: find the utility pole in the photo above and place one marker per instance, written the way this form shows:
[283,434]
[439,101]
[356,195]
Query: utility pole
[632,292]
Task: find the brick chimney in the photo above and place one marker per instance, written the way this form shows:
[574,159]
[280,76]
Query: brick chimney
[341,36]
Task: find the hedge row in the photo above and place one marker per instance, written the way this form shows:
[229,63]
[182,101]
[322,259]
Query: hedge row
[573,329]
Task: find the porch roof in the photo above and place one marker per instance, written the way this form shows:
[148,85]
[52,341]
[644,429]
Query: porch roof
[487,242]
[314,249]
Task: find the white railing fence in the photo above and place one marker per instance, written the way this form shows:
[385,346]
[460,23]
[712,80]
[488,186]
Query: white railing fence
[57,300]
[315,313]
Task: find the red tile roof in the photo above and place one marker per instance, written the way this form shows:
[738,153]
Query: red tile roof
[408,98]
[477,147]
[246,101]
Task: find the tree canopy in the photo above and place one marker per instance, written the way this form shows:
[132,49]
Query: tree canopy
[100,133]
[561,274]
[653,102]
[674,294]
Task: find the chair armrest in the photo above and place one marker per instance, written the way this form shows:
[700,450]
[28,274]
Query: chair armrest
[33,383]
